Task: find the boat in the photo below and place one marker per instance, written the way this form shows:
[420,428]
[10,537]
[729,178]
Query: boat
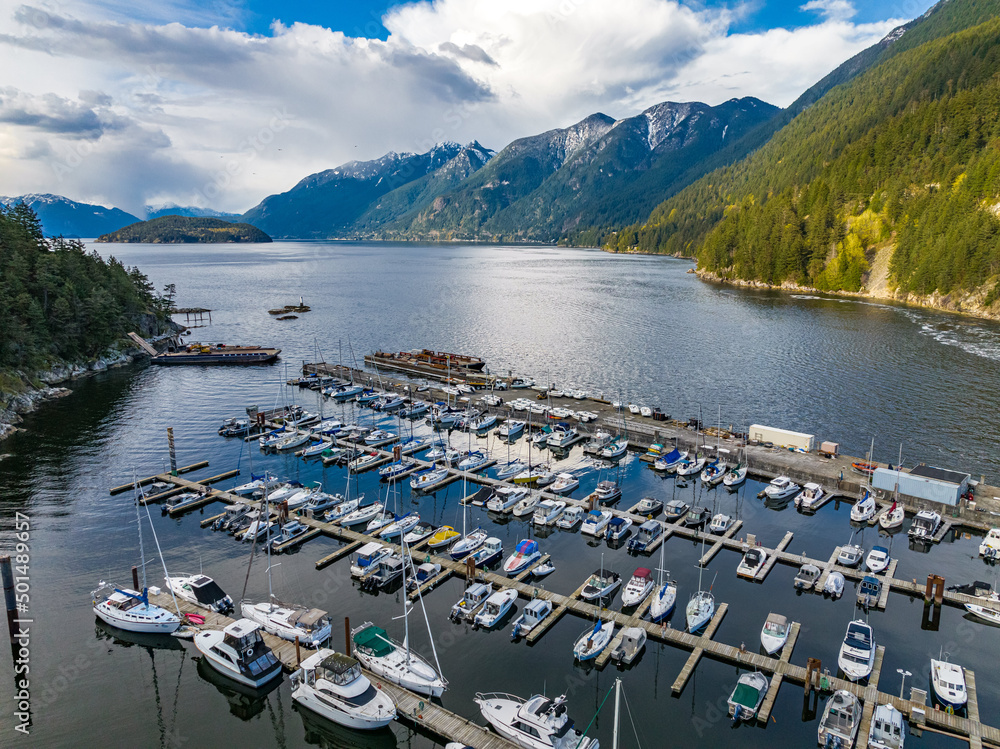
[344,392]
[864,509]
[697,517]
[511,469]
[332,685]
[924,525]
[571,517]
[990,546]
[675,509]
[834,585]
[483,424]
[547,512]
[217,353]
[720,523]
[774,634]
[648,507]
[545,568]
[841,720]
[443,536]
[618,528]
[869,590]
[781,487]
[647,534]
[488,553]
[633,409]
[864,467]
[468,543]
[309,626]
[423,573]
[562,437]
[396,662]
[750,690]
[631,644]
[536,723]
[319,503]
[181,502]
[255,487]
[365,461]
[986,608]
[539,474]
[202,591]
[806,577]
[376,524]
[510,429]
[701,607]
[670,461]
[607,492]
[689,466]
[887,729]
[496,606]
[361,514]
[473,461]
[857,653]
[396,469]
[291,530]
[505,497]
[948,688]
[367,557]
[239,652]
[296,439]
[664,595]
[601,584]
[752,562]
[615,449]
[714,472]
[230,515]
[850,554]
[525,554]
[593,640]
[811,496]
[415,409]
[475,596]
[735,476]
[892,518]
[526,506]
[638,587]
[564,483]
[598,442]
[534,612]
[430,479]
[877,560]
[595,522]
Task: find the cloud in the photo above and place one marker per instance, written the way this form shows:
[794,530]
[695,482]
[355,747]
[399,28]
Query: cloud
[201,112]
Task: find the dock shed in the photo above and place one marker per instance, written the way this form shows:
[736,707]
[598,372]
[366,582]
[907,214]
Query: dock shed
[782,437]
[924,482]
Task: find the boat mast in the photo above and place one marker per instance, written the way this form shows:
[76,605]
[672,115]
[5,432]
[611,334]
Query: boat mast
[267,545]
[166,575]
[618,697]
[138,519]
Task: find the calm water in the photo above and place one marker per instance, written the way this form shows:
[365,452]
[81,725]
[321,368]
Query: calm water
[637,327]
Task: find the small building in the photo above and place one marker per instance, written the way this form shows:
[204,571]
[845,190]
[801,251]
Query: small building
[782,437]
[924,482]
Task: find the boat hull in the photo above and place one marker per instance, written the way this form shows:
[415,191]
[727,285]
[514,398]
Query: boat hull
[308,698]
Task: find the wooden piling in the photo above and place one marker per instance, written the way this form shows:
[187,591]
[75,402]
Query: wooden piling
[7,573]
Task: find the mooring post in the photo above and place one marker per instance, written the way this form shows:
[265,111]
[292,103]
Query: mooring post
[173,453]
[135,578]
[8,594]
[347,635]
[470,569]
[298,653]
[938,590]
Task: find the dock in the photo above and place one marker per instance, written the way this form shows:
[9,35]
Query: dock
[699,650]
[772,558]
[717,546]
[150,479]
[772,691]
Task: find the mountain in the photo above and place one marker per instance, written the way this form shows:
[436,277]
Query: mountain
[329,203]
[64,217]
[186,230]
[171,209]
[887,184]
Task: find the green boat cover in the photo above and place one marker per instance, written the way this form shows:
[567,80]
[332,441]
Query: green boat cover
[375,641]
[746,696]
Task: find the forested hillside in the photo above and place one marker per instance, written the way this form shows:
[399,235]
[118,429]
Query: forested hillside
[186,230]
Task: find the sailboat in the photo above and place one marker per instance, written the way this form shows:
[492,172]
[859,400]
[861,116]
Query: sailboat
[701,607]
[665,595]
[469,542]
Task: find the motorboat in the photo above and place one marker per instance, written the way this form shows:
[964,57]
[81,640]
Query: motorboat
[720,523]
[285,492]
[985,608]
[781,487]
[749,693]
[601,584]
[752,562]
[361,514]
[258,528]
[850,555]
[735,476]
[400,526]
[990,546]
[526,506]
[648,507]
[841,720]
[571,517]
[864,509]
[887,729]
[254,488]
[595,522]
[618,528]
[607,492]
[675,509]
[202,591]
[565,483]
[598,442]
[365,461]
[562,437]
[536,723]
[697,517]
[806,577]
[415,409]
[670,461]
[488,553]
[638,587]
[311,627]
[857,653]
[547,512]
[332,685]
[364,560]
[714,472]
[320,503]
[645,411]
[475,596]
[774,634]
[495,608]
[418,533]
[593,640]
[892,518]
[534,612]
[430,479]
[924,525]
[394,661]
[345,392]
[291,530]
[230,514]
[239,652]
[539,474]
[948,688]
[473,461]
[443,536]
[511,429]
[423,573]
[869,590]
[181,502]
[834,585]
[505,497]
[631,643]
[441,451]
[633,409]
[511,469]
[811,496]
[526,553]
[545,568]
[617,448]
[877,560]
[689,466]
[647,534]
[468,544]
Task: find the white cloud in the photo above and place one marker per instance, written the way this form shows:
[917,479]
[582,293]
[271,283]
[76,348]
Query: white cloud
[206,114]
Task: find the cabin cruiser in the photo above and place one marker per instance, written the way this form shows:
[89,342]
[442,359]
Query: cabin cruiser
[292,530]
[562,437]
[311,627]
[806,577]
[526,506]
[505,497]
[367,557]
[781,487]
[536,723]
[525,554]
[332,685]
[647,534]
[564,483]
[618,528]
[811,496]
[571,517]
[850,555]
[857,653]
[598,442]
[747,696]
[239,652]
[841,720]
[752,562]
[869,590]
[675,509]
[475,596]
[593,640]
[877,560]
[925,525]
[774,634]
[648,506]
[181,502]
[547,512]
[948,685]
[395,661]
[202,591]
[697,517]
[600,584]
[640,586]
[534,612]
[230,515]
[887,729]
[595,522]
[254,488]
[990,547]
[488,553]
[721,523]
[496,606]
[607,492]
[387,571]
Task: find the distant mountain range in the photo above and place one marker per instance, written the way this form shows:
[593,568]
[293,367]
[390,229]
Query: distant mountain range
[62,216]
[171,209]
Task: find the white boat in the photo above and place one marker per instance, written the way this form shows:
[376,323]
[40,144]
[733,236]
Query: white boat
[316,448]
[239,652]
[618,528]
[690,466]
[483,423]
[395,662]
[735,476]
[721,522]
[595,522]
[570,518]
[892,518]
[700,610]
[638,587]
[534,612]
[806,577]
[864,509]
[593,640]
[398,527]
[617,448]
[607,492]
[665,594]
[670,461]
[887,729]
[850,555]
[311,627]
[526,553]
[359,515]
[473,461]
[598,442]
[752,562]
[510,469]
[714,472]
[648,533]
[877,560]
[510,429]
[601,584]
[367,557]
[202,591]
[505,497]
[488,553]
[548,512]
[781,487]
[834,585]
[811,496]
[924,525]
[948,685]
[526,506]
[376,524]
[257,486]
[429,479]
[475,596]
[648,506]
[496,606]
[563,437]
[331,685]
[633,640]
[990,546]
[633,409]
[986,608]
[536,723]
[857,653]
[365,461]
[181,502]
[645,411]
[774,634]
[418,533]
[468,543]
[392,471]
[564,483]
[841,720]
[747,695]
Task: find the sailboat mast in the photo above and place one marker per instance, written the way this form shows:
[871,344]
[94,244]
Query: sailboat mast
[406,601]
[618,697]
[267,544]
[138,520]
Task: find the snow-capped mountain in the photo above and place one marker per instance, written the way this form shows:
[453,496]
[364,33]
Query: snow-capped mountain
[69,218]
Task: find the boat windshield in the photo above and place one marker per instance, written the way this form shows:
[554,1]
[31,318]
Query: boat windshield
[858,637]
[338,669]
[840,719]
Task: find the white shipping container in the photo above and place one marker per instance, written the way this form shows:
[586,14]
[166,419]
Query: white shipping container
[782,437]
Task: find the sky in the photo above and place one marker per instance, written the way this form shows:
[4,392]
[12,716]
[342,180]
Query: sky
[219,103]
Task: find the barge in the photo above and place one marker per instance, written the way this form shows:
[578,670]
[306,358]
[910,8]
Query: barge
[440,365]
[217,353]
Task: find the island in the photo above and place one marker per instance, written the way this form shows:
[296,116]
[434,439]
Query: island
[186,230]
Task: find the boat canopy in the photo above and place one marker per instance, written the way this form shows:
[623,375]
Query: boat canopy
[339,669]
[206,590]
[527,547]
[746,695]
[672,456]
[642,572]
[373,640]
[650,526]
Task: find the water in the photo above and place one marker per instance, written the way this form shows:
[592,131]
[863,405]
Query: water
[639,328]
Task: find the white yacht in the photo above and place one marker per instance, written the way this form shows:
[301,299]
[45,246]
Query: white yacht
[689,466]
[948,685]
[887,729]
[774,634]
[752,562]
[990,546]
[547,512]
[562,437]
[129,610]
[366,559]
[536,723]
[878,559]
[526,553]
[595,522]
[394,661]
[361,514]
[505,497]
[600,584]
[571,517]
[534,612]
[565,483]
[331,684]
[892,518]
[864,509]
[475,596]
[201,590]
[811,496]
[526,506]
[857,653]
[925,525]
[735,476]
[239,652]
[496,606]
[720,523]
[781,487]
[638,587]
[593,640]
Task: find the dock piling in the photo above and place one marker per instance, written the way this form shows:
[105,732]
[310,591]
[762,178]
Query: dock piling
[135,578]
[8,593]
[173,452]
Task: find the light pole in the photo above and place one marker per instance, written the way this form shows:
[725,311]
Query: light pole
[902,687]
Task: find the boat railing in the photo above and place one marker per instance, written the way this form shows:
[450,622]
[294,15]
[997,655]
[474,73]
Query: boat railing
[484,696]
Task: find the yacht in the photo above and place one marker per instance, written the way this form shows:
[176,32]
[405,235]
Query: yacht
[774,634]
[700,610]
[562,437]
[396,469]
[565,483]
[399,526]
[239,652]
[429,479]
[496,606]
[841,720]
[749,692]
[752,562]
[526,506]
[473,461]
[361,514]
[615,449]
[948,685]
[526,553]
[536,723]
[181,502]
[887,729]
[510,469]
[735,476]
[721,522]
[714,472]
[600,584]
[892,518]
[488,553]
[547,512]
[570,518]
[332,685]
[202,591]
[781,487]
[475,596]
[598,442]
[689,466]
[607,492]
[638,587]
[665,594]
[857,653]
[311,627]
[511,429]
[468,544]
[618,528]
[925,525]
[595,522]
[593,640]
[670,461]
[505,497]
[877,560]
[127,609]
[990,546]
[365,559]
[395,661]
[811,496]
[289,532]
[534,612]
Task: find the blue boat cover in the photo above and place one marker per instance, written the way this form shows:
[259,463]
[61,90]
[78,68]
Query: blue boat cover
[672,456]
[527,547]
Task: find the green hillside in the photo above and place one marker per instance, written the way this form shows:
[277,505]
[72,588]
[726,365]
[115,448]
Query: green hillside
[185,229]
[903,156]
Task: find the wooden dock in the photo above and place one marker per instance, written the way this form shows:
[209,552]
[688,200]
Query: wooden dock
[150,479]
[340,553]
[772,691]
[718,545]
[699,650]
[772,558]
